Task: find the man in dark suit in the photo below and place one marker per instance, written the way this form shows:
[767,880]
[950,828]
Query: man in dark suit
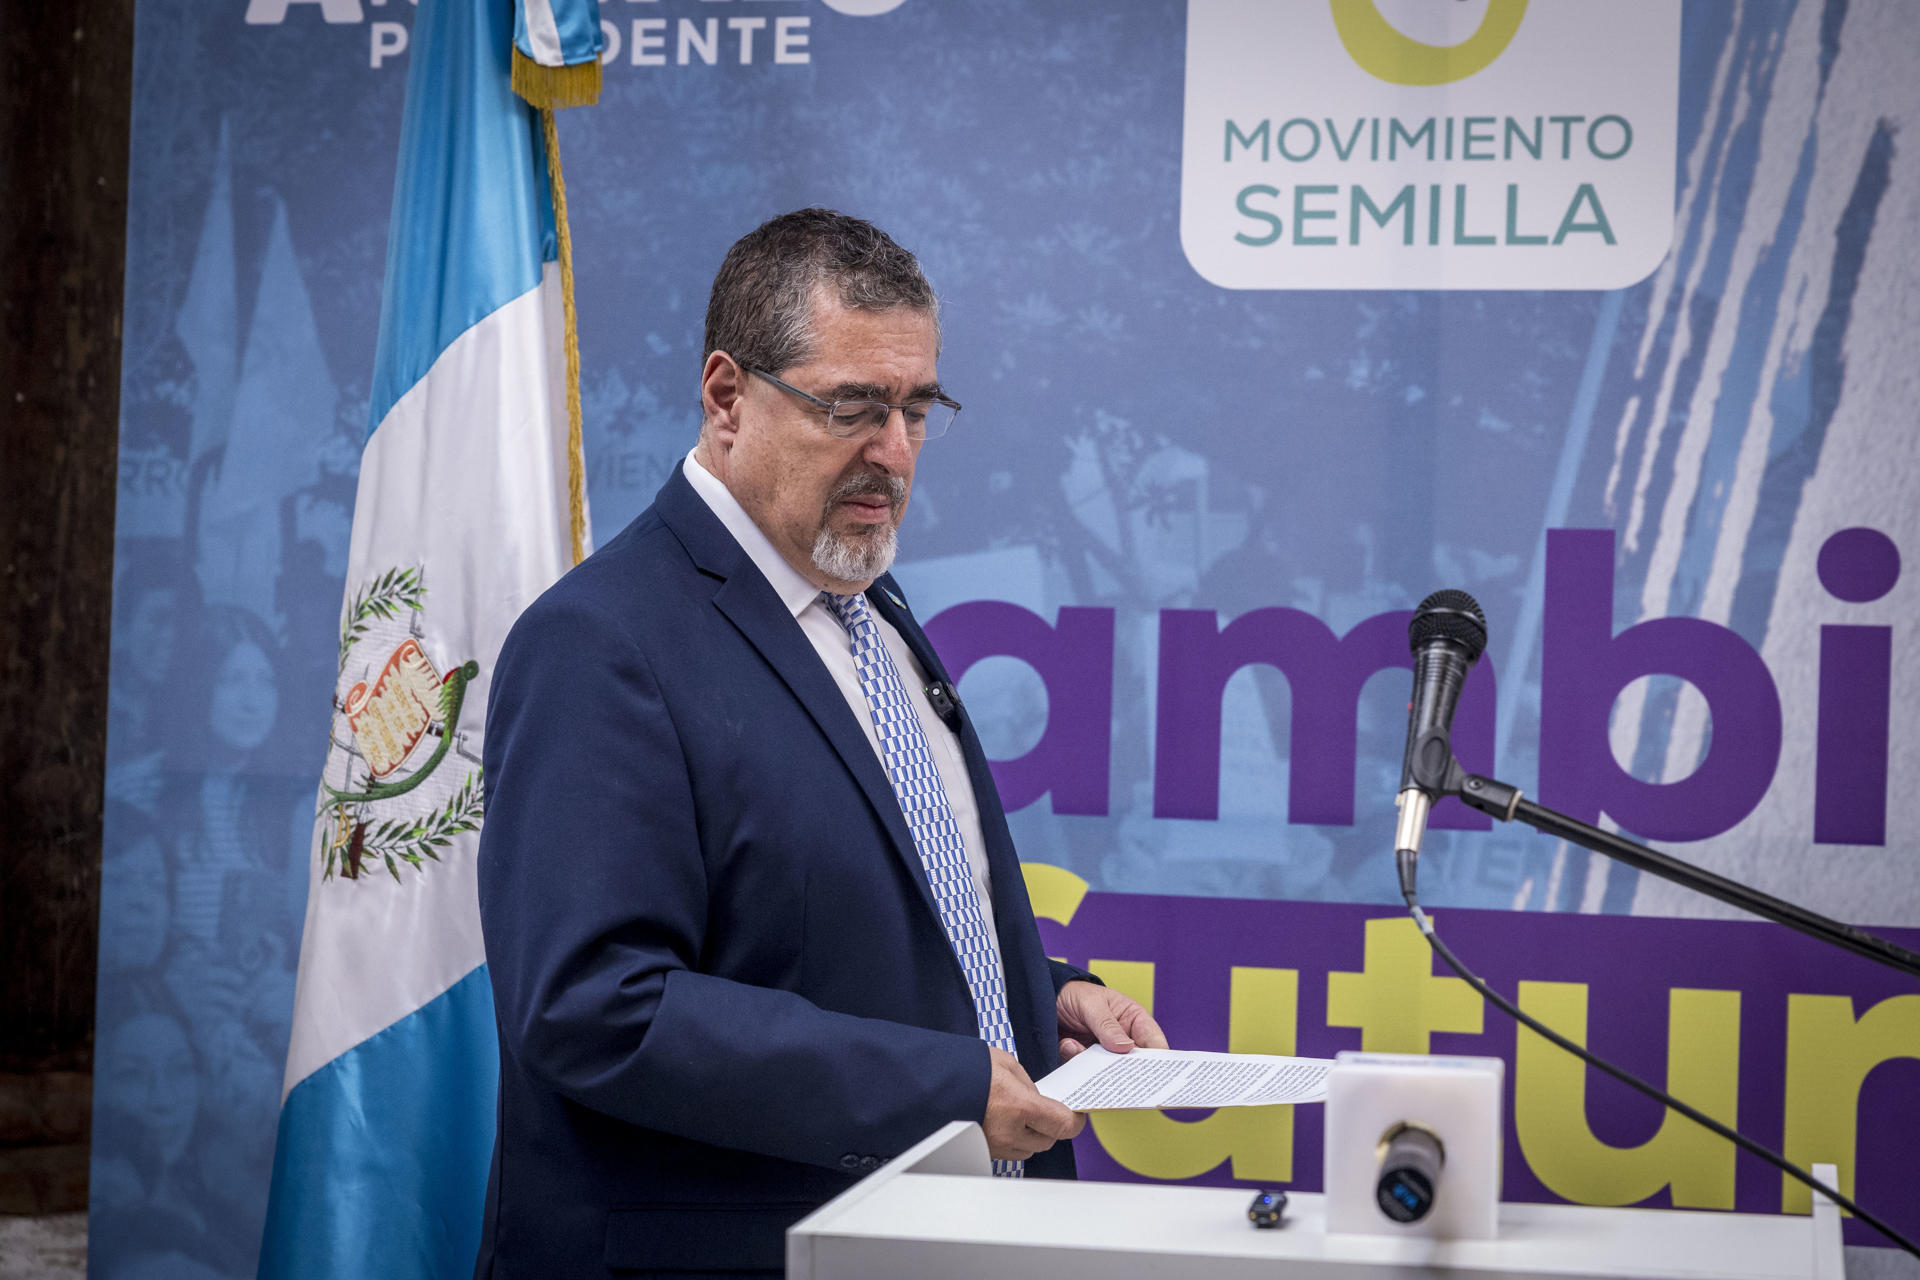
[752,914]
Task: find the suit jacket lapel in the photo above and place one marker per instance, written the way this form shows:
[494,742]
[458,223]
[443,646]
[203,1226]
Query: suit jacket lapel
[751,604]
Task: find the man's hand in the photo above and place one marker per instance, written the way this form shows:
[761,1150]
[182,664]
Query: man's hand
[1091,1013]
[1019,1123]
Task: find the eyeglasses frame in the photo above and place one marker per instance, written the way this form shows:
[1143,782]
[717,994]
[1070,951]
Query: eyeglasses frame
[831,405]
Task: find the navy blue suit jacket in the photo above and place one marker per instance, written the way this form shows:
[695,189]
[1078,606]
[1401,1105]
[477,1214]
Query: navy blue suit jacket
[722,989]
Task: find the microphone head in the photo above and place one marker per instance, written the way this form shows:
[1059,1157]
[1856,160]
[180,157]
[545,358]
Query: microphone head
[1449,615]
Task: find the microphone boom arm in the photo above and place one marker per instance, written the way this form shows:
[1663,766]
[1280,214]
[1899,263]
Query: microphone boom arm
[1506,803]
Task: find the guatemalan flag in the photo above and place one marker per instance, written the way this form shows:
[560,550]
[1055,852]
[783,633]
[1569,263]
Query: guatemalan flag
[464,515]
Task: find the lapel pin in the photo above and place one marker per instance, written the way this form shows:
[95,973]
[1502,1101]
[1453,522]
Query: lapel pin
[898,602]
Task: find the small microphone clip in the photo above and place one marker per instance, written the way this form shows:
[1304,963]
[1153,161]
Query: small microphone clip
[946,703]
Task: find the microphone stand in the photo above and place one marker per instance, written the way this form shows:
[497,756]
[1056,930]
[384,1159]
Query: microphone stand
[1499,800]
[1503,801]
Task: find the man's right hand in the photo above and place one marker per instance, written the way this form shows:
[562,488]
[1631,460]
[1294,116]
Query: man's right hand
[1020,1123]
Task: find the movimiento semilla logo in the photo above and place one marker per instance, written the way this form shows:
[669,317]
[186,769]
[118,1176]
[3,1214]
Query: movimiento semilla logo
[1429,144]
[1385,52]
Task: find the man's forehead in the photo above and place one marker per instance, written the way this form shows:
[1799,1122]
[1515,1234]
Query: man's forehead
[893,346]
[830,313]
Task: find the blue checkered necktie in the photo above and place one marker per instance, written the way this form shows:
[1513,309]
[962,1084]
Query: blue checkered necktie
[916,782]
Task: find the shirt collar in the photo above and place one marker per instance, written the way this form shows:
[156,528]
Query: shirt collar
[788,583]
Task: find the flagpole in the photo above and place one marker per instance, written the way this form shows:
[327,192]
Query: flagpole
[576,453]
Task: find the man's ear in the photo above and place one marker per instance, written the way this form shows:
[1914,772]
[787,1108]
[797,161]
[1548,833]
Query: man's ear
[722,384]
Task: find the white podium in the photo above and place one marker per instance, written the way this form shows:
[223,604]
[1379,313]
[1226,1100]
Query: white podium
[936,1213]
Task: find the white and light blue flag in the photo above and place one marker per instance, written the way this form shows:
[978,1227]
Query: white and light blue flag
[462,518]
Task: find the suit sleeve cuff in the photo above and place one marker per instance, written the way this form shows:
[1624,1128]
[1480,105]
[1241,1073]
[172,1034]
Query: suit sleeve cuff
[1063,973]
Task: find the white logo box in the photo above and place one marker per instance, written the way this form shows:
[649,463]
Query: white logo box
[1429,186]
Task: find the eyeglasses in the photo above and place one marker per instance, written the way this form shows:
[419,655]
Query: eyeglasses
[857,419]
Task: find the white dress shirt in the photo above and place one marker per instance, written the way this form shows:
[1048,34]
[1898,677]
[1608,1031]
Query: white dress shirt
[831,641]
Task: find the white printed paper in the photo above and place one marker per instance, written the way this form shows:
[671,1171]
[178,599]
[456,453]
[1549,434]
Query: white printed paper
[1097,1080]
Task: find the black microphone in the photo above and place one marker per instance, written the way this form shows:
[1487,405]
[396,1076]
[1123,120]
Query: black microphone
[1447,634]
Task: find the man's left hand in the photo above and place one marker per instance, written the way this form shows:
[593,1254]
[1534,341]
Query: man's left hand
[1092,1013]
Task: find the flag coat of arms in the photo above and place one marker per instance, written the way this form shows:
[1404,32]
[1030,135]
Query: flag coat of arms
[469,506]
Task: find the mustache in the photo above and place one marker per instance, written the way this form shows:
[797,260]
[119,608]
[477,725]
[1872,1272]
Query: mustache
[868,483]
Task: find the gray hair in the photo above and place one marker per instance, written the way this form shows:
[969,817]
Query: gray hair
[761,308]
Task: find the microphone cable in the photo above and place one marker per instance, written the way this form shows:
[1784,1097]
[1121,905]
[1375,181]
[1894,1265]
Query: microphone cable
[1406,862]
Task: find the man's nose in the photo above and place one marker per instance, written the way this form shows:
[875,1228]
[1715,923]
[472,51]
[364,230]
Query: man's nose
[891,448]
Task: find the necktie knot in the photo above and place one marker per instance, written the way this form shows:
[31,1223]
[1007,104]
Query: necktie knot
[851,610]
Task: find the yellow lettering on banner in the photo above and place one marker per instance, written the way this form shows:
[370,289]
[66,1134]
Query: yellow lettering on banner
[1262,1017]
[1396,1001]
[1129,977]
[1829,1056]
[1054,892]
[1550,1103]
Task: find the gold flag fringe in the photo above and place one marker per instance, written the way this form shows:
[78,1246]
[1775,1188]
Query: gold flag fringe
[550,87]
[576,454]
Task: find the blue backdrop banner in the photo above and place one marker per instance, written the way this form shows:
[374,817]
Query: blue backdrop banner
[1269,320]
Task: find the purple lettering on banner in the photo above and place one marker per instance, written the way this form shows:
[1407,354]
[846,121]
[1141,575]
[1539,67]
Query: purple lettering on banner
[1075,660]
[1194,944]
[1859,565]
[1856,693]
[1850,751]
[1326,675]
[1584,667]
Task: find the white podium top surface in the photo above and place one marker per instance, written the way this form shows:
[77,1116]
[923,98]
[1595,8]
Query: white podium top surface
[939,1224]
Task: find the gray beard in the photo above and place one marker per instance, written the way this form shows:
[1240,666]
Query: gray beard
[855,557]
[858,557]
